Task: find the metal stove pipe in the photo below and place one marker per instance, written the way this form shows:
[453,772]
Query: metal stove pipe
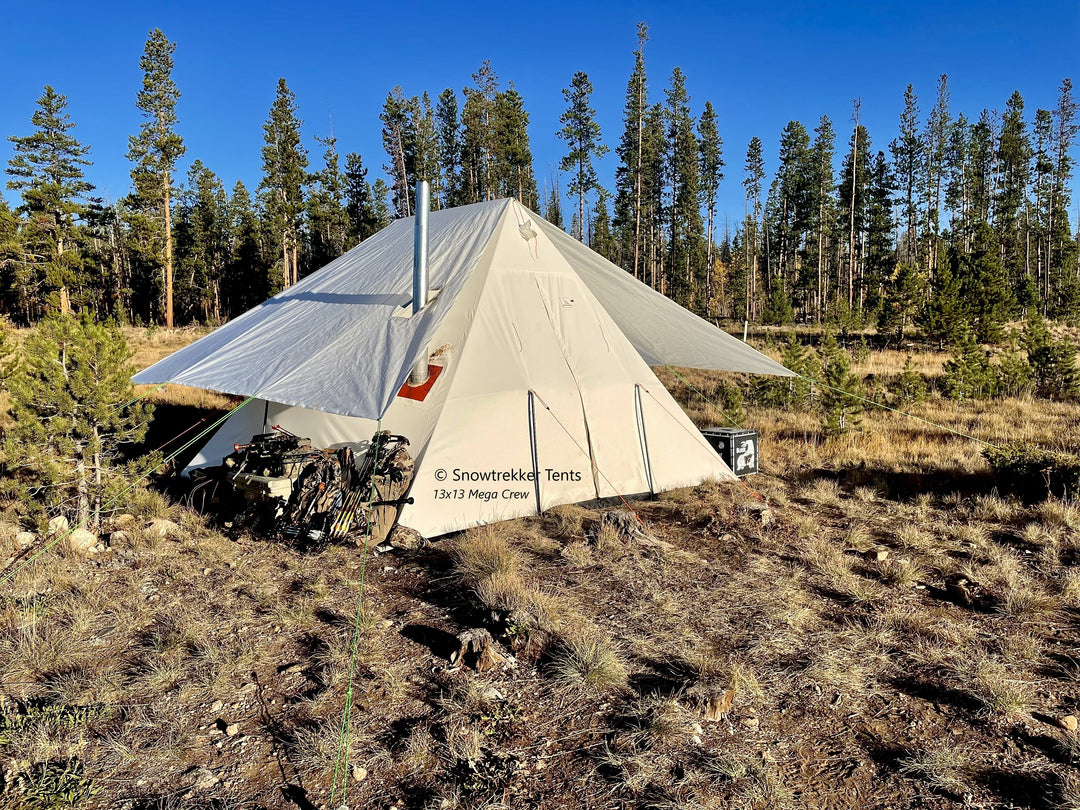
[419,373]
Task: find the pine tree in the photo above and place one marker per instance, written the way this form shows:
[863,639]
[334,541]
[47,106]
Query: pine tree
[448,133]
[328,221]
[685,248]
[1053,361]
[399,141]
[46,167]
[553,208]
[753,174]
[986,286]
[629,175]
[364,219]
[889,290]
[946,315]
[478,137]
[600,237]
[907,152]
[854,194]
[653,211]
[790,392]
[910,386]
[14,280]
[968,375]
[380,205]
[67,426]
[157,147]
[938,130]
[246,280]
[427,147]
[840,399]
[1062,249]
[822,210]
[582,135]
[202,249]
[513,153]
[1014,155]
[284,174]
[710,155]
[791,214]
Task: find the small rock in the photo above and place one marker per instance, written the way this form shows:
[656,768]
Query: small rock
[761,511]
[750,722]
[878,553]
[217,706]
[163,529]
[359,774]
[120,537]
[206,571]
[204,778]
[1068,722]
[25,539]
[232,729]
[696,729]
[82,541]
[696,739]
[58,525]
[403,537]
[491,693]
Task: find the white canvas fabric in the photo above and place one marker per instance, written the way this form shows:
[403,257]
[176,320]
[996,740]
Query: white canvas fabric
[545,396]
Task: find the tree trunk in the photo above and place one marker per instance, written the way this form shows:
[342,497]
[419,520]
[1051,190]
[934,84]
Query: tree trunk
[82,489]
[168,257]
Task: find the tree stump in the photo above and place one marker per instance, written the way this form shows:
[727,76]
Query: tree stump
[477,650]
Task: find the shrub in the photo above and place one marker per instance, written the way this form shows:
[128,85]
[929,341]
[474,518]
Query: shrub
[841,400]
[1034,472]
[789,392]
[1014,377]
[1053,362]
[911,386]
[968,375]
[68,395]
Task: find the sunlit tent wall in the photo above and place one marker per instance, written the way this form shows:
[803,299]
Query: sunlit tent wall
[544,393]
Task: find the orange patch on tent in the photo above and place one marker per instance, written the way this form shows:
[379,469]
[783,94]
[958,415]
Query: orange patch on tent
[420,392]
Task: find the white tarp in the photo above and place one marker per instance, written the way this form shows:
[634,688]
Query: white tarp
[333,343]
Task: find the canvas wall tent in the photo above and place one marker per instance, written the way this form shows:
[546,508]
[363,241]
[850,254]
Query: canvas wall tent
[544,393]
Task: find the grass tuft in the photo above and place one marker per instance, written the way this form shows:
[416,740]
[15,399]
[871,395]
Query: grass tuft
[590,658]
[947,768]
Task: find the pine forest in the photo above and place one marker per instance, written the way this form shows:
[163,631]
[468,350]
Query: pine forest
[956,220]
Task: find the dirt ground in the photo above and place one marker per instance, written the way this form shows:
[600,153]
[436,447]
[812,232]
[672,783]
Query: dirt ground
[867,623]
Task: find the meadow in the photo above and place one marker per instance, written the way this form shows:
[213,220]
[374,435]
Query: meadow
[871,621]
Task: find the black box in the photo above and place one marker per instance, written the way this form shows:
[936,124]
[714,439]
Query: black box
[738,448]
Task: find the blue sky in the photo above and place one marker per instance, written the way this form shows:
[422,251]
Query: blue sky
[760,64]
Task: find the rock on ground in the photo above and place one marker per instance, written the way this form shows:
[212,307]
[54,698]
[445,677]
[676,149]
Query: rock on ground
[163,529]
[82,541]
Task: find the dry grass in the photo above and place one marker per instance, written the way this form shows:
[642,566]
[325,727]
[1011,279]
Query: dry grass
[589,658]
[948,768]
[483,553]
[612,653]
